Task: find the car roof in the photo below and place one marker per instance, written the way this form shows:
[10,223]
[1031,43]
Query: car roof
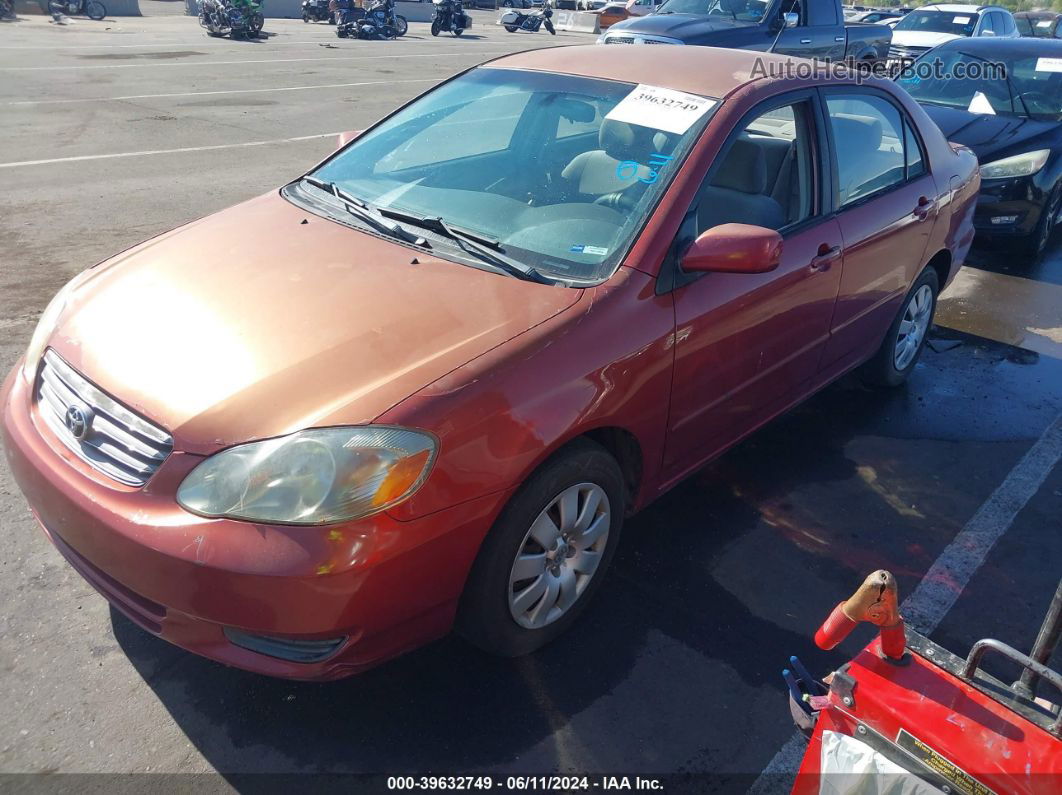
[1026,45]
[959,8]
[708,71]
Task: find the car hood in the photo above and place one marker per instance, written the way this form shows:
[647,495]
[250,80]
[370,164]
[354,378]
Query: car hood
[264,319]
[992,136]
[678,26]
[920,38]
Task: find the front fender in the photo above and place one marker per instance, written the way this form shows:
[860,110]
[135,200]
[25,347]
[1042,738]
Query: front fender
[605,362]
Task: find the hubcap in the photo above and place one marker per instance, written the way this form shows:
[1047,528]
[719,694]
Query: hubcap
[913,327]
[559,555]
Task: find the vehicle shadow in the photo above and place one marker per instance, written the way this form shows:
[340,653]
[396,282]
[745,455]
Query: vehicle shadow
[713,587]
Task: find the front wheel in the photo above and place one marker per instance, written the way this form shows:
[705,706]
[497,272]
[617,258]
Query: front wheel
[95,10]
[1036,244]
[401,26]
[549,27]
[906,337]
[547,554]
[435,27]
[458,31]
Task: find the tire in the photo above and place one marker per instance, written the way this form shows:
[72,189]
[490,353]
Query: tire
[401,26]
[507,4]
[95,10]
[1035,244]
[341,33]
[458,31]
[549,27]
[305,17]
[257,23]
[490,605]
[511,28]
[888,368]
[435,27]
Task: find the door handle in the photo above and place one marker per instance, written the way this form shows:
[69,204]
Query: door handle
[839,38]
[922,211]
[825,258]
[805,41]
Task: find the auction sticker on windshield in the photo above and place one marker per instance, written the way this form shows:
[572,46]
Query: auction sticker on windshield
[1049,64]
[661,108]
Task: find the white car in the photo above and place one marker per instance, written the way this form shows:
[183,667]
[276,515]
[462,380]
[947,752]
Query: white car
[928,26]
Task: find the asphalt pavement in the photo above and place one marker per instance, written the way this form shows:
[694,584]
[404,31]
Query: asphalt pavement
[117,130]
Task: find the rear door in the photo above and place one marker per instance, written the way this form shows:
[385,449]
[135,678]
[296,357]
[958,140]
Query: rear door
[820,33]
[885,201]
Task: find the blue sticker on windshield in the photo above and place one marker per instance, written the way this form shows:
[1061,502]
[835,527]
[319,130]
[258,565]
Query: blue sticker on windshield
[596,250]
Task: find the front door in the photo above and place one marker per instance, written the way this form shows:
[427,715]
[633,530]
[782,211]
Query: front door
[746,344]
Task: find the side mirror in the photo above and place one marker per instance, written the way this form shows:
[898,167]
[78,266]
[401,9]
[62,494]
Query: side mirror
[346,137]
[791,19]
[734,248]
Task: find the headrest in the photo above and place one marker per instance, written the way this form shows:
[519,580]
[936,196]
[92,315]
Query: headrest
[624,141]
[744,169]
[859,133]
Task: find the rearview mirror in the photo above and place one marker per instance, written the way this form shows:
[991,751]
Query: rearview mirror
[734,248]
[346,137]
[791,19]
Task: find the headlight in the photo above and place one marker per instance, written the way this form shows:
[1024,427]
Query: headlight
[1022,165]
[311,477]
[46,325]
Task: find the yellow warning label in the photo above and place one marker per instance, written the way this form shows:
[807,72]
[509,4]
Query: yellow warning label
[960,780]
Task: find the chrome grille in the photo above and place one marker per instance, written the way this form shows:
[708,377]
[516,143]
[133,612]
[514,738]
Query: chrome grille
[619,40]
[897,52]
[109,436]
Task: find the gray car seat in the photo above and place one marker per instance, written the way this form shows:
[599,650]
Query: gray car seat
[737,193]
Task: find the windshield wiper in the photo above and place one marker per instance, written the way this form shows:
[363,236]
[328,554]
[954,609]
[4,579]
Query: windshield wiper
[364,211]
[482,247]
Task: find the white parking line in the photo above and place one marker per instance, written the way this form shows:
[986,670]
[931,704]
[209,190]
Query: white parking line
[336,59]
[81,158]
[942,585]
[213,93]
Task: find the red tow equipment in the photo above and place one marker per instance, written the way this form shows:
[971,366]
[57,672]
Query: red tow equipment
[907,716]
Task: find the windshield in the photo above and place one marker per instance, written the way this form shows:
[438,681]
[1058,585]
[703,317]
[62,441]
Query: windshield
[958,24]
[552,169]
[1032,86]
[749,11]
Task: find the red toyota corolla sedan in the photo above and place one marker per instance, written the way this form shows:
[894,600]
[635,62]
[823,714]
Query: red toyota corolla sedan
[423,384]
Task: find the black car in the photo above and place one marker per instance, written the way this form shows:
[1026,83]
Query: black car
[1012,121]
[1039,24]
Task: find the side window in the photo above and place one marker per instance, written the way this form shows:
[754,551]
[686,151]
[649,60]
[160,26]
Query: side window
[822,13]
[1009,28]
[765,177]
[868,138]
[474,128]
[916,166]
[988,24]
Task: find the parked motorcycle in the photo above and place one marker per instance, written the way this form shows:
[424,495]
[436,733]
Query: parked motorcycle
[316,11]
[450,16]
[93,9]
[513,20]
[237,19]
[7,10]
[378,21]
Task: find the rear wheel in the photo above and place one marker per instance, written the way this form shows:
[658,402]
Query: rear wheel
[906,338]
[458,31]
[547,553]
[95,10]
[511,28]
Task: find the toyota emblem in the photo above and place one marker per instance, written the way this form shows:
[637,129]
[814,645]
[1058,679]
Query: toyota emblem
[78,421]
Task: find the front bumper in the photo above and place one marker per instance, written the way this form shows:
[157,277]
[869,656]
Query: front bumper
[383,585]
